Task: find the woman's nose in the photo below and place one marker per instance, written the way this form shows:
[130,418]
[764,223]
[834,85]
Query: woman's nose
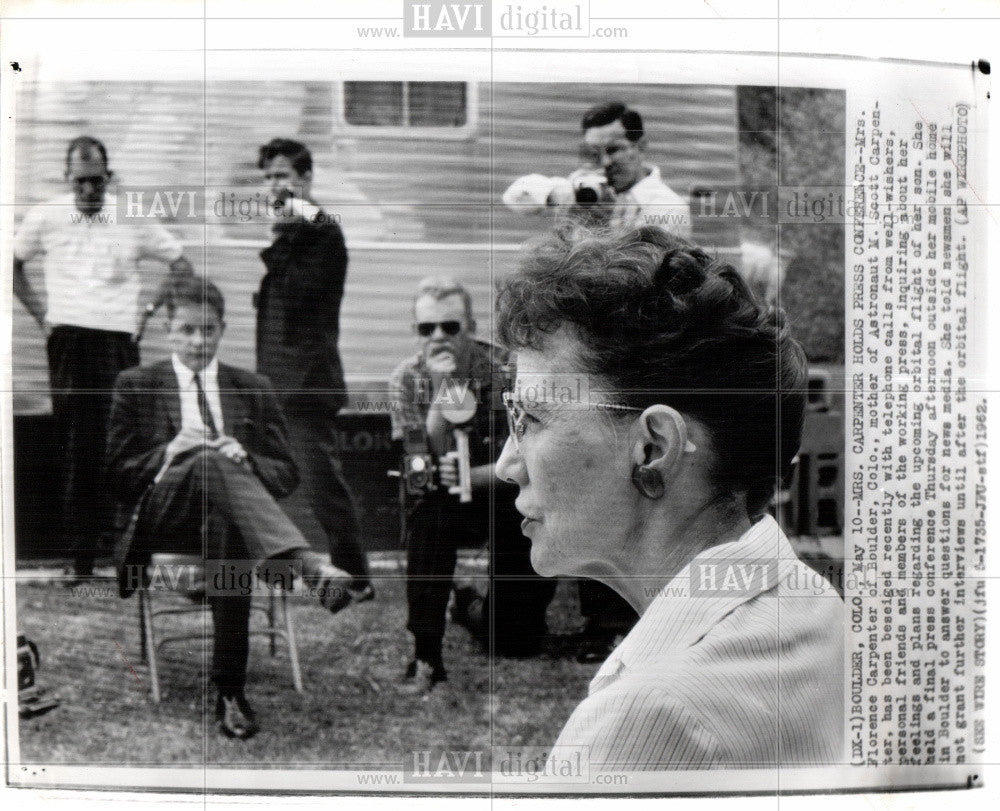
[510,465]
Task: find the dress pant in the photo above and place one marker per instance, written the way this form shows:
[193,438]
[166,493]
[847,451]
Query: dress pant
[83,366]
[436,527]
[323,495]
[207,505]
[518,596]
[513,608]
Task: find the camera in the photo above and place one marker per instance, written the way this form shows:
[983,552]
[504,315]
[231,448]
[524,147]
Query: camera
[591,189]
[419,474]
[418,464]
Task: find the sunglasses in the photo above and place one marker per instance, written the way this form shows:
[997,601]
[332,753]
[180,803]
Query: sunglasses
[425,329]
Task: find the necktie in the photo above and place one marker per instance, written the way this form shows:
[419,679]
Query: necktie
[206,412]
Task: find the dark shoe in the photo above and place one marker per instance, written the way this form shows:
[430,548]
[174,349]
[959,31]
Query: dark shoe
[332,590]
[467,609]
[332,585]
[234,716]
[362,594]
[421,677]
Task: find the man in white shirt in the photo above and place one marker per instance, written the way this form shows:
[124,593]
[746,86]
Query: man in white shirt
[617,188]
[614,186]
[92,319]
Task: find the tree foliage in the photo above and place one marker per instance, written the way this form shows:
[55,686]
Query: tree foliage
[793,138]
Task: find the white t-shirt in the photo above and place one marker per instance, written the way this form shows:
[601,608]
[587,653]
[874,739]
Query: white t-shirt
[91,262]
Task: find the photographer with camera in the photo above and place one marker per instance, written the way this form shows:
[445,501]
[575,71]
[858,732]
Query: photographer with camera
[613,186]
[444,396]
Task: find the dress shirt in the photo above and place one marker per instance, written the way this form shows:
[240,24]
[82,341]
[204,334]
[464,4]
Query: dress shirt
[648,202]
[190,412]
[653,202]
[749,674]
[90,263]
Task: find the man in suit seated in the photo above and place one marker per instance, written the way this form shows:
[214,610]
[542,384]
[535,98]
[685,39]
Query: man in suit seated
[203,447]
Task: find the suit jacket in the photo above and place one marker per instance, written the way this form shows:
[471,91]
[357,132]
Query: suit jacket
[146,416]
[298,314]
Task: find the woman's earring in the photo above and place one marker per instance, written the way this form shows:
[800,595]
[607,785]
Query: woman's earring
[647,481]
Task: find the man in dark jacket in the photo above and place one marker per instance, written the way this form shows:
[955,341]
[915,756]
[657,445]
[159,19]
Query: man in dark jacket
[201,446]
[298,326]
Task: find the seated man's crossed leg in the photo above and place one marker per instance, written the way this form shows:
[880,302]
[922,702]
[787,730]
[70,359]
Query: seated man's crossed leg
[200,449]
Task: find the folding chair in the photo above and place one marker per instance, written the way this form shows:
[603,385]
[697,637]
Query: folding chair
[151,640]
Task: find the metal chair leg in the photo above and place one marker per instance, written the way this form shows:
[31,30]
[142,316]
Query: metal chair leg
[142,627]
[154,677]
[293,647]
[271,622]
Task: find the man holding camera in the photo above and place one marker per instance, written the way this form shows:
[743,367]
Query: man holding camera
[614,186]
[434,407]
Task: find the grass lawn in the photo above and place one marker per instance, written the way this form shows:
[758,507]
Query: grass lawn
[349,716]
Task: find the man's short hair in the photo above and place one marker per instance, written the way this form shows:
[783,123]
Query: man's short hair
[440,287]
[297,153]
[603,114]
[86,146]
[195,291]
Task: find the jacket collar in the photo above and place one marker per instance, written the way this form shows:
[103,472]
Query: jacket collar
[712,585]
[233,406]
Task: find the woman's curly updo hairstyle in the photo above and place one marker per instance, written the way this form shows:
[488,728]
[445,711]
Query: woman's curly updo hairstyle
[660,321]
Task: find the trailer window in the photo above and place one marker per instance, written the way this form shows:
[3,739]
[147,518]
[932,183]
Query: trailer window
[406,104]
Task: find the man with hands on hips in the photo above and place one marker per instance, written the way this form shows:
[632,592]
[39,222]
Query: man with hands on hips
[92,319]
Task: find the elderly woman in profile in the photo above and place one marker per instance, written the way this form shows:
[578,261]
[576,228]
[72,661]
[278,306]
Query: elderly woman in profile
[656,406]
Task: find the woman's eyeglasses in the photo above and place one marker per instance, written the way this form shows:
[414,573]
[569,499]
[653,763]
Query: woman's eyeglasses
[425,329]
[516,414]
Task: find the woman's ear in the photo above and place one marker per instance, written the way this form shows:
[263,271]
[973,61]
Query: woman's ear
[662,441]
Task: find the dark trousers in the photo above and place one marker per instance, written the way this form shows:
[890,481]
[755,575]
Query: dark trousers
[515,605]
[206,505]
[323,495]
[436,527]
[604,608]
[513,608]
[83,366]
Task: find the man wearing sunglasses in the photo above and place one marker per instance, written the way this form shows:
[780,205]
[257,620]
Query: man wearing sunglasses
[613,185]
[449,362]
[92,317]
